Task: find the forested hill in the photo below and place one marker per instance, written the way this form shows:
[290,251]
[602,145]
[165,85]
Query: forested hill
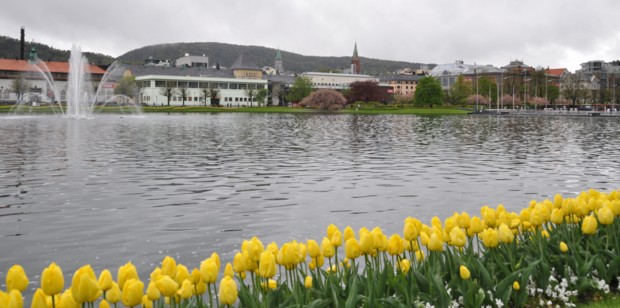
[9,49]
[226,54]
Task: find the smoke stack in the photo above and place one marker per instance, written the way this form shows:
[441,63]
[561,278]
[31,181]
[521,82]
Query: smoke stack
[22,45]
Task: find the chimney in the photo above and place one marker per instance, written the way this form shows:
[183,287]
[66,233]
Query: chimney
[22,45]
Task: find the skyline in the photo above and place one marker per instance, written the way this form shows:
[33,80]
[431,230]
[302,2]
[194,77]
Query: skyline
[556,34]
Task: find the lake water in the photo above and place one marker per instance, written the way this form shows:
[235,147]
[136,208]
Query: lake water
[113,189]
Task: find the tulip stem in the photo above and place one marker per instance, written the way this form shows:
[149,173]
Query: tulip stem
[210,295]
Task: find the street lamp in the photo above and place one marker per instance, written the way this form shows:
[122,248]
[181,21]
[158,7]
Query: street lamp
[476,71]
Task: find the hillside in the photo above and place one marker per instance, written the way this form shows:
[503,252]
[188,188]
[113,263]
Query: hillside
[9,49]
[226,54]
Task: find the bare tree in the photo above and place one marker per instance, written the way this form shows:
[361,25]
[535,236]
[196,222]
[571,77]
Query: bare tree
[20,86]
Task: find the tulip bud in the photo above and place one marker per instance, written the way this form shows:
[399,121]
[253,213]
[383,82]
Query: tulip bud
[15,299]
[186,289]
[516,286]
[404,265]
[228,291]
[352,249]
[336,239]
[132,294]
[126,272]
[208,271]
[464,272]
[327,248]
[146,302]
[308,282]
[589,225]
[84,285]
[490,238]
[152,292]
[114,294]
[38,299]
[605,216]
[267,265]
[166,285]
[105,280]
[348,233]
[16,278]
[52,280]
[563,247]
[313,249]
[104,304]
[228,270]
[182,273]
[435,243]
[168,267]
[505,234]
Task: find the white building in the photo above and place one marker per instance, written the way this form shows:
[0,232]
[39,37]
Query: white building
[336,80]
[193,61]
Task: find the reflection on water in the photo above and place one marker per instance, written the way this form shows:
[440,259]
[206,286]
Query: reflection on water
[108,190]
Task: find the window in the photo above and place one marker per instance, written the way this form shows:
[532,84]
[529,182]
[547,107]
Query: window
[171,84]
[63,95]
[233,86]
[252,86]
[193,85]
[160,84]
[203,85]
[182,84]
[243,86]
[223,86]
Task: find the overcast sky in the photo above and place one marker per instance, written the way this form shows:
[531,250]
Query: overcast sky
[554,33]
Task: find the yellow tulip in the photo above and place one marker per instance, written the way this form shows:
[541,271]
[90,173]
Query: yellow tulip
[331,229]
[228,270]
[348,234]
[352,249]
[464,272]
[419,255]
[272,284]
[308,282]
[435,243]
[208,271]
[605,216]
[239,263]
[410,232]
[16,278]
[38,299]
[228,291]
[146,302]
[396,245]
[267,265]
[475,226]
[318,262]
[182,273]
[516,286]
[313,249]
[166,285]
[464,221]
[216,258]
[132,294]
[558,201]
[15,299]
[557,216]
[67,301]
[327,248]
[457,237]
[186,290]
[488,215]
[152,292]
[4,298]
[105,280]
[589,225]
[366,242]
[168,267]
[404,265]
[104,304]
[201,287]
[545,234]
[424,238]
[126,272]
[52,280]
[84,285]
[114,294]
[155,273]
[336,239]
[273,248]
[563,247]
[195,276]
[505,234]
[490,238]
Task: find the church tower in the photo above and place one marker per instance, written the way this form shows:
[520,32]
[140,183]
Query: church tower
[278,65]
[356,68]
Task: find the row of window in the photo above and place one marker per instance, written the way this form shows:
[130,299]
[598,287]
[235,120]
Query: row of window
[202,85]
[199,99]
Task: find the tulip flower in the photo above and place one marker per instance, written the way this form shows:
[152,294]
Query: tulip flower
[464,221]
[505,234]
[435,243]
[308,282]
[166,285]
[409,231]
[168,267]
[490,238]
[15,299]
[563,247]
[208,271]
[464,272]
[52,280]
[146,302]
[404,265]
[228,291]
[239,263]
[316,263]
[457,237]
[475,226]
[352,249]
[126,272]
[331,229]
[84,285]
[152,292]
[67,301]
[313,249]
[516,286]
[104,304]
[605,216]
[228,270]
[589,225]
[186,290]
[16,278]
[557,216]
[181,274]
[114,294]
[105,280]
[336,239]
[273,248]
[132,294]
[195,276]
[201,287]
[396,245]
[348,234]
[267,265]
[327,248]
[38,299]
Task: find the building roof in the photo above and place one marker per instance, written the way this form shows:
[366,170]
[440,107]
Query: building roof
[558,72]
[460,68]
[52,67]
[143,70]
[243,63]
[400,77]
[278,55]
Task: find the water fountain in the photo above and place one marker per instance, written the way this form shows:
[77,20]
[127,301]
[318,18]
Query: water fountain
[84,96]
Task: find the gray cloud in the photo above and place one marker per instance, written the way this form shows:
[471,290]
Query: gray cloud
[551,33]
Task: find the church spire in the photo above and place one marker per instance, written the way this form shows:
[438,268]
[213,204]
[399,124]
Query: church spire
[356,68]
[279,66]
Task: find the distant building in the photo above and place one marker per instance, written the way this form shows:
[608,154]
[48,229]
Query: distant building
[279,65]
[193,61]
[335,80]
[245,69]
[32,71]
[448,73]
[400,85]
[156,62]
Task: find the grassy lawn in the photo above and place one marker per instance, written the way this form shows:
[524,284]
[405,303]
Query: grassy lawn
[609,302]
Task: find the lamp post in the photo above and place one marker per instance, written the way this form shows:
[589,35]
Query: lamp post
[476,71]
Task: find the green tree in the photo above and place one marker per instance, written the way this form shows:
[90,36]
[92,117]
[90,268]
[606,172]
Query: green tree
[553,93]
[459,91]
[300,89]
[487,88]
[261,95]
[20,86]
[428,92]
[127,86]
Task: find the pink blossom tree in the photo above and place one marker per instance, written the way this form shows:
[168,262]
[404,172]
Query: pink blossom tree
[326,99]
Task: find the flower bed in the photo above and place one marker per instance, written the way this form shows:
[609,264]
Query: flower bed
[553,253]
